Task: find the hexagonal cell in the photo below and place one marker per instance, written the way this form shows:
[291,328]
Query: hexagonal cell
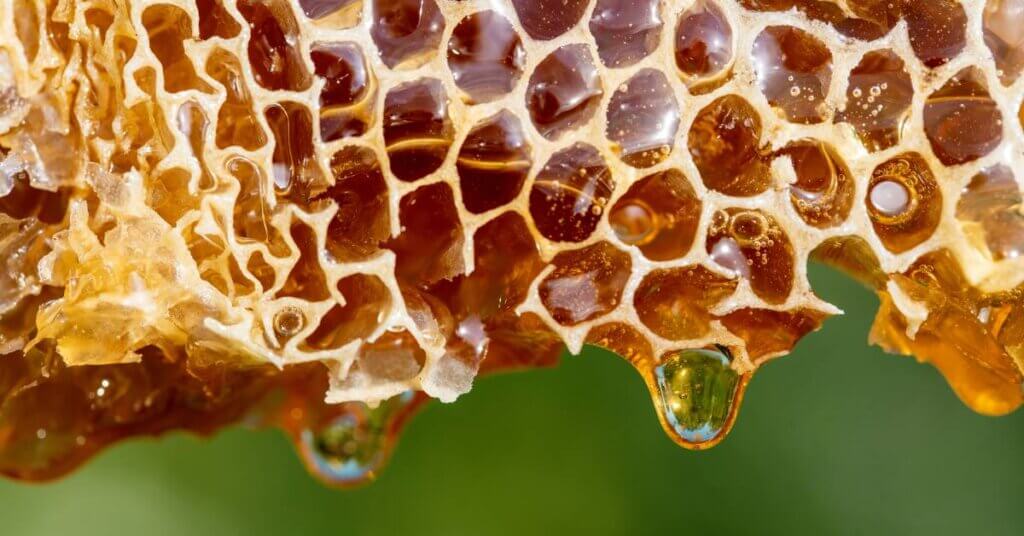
[937,29]
[361,194]
[215,21]
[564,91]
[961,120]
[295,165]
[770,333]
[168,28]
[990,213]
[754,246]
[335,14]
[725,142]
[306,280]
[276,60]
[674,303]
[548,19]
[237,123]
[904,202]
[366,301]
[430,246]
[417,129]
[252,210]
[824,190]
[393,357]
[570,192]
[407,32]
[794,69]
[493,162]
[1004,35]
[626,31]
[658,214]
[643,118]
[346,100]
[585,284]
[704,47]
[486,56]
[878,99]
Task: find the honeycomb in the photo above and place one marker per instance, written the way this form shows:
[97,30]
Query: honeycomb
[318,214]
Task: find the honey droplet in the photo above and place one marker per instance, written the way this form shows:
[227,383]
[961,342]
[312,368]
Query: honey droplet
[353,447]
[698,396]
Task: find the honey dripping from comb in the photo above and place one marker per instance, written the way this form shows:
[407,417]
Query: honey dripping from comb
[319,215]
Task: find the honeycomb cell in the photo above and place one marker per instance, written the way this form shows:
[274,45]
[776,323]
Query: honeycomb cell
[904,202]
[336,14]
[169,28]
[659,214]
[430,246]
[676,303]
[626,31]
[643,118]
[990,213]
[570,193]
[824,190]
[1003,23]
[794,69]
[361,195]
[704,47]
[192,122]
[564,91]
[417,129]
[493,163]
[346,100]
[366,301]
[276,60]
[770,333]
[307,279]
[237,123]
[295,166]
[961,120]
[215,21]
[585,283]
[754,246]
[407,32]
[252,210]
[725,142]
[937,29]
[878,99]
[394,357]
[547,19]
[698,395]
[859,19]
[486,56]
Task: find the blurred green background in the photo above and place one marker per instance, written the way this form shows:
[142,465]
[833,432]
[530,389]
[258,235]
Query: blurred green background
[837,438]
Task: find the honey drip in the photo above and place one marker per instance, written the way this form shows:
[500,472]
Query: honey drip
[318,215]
